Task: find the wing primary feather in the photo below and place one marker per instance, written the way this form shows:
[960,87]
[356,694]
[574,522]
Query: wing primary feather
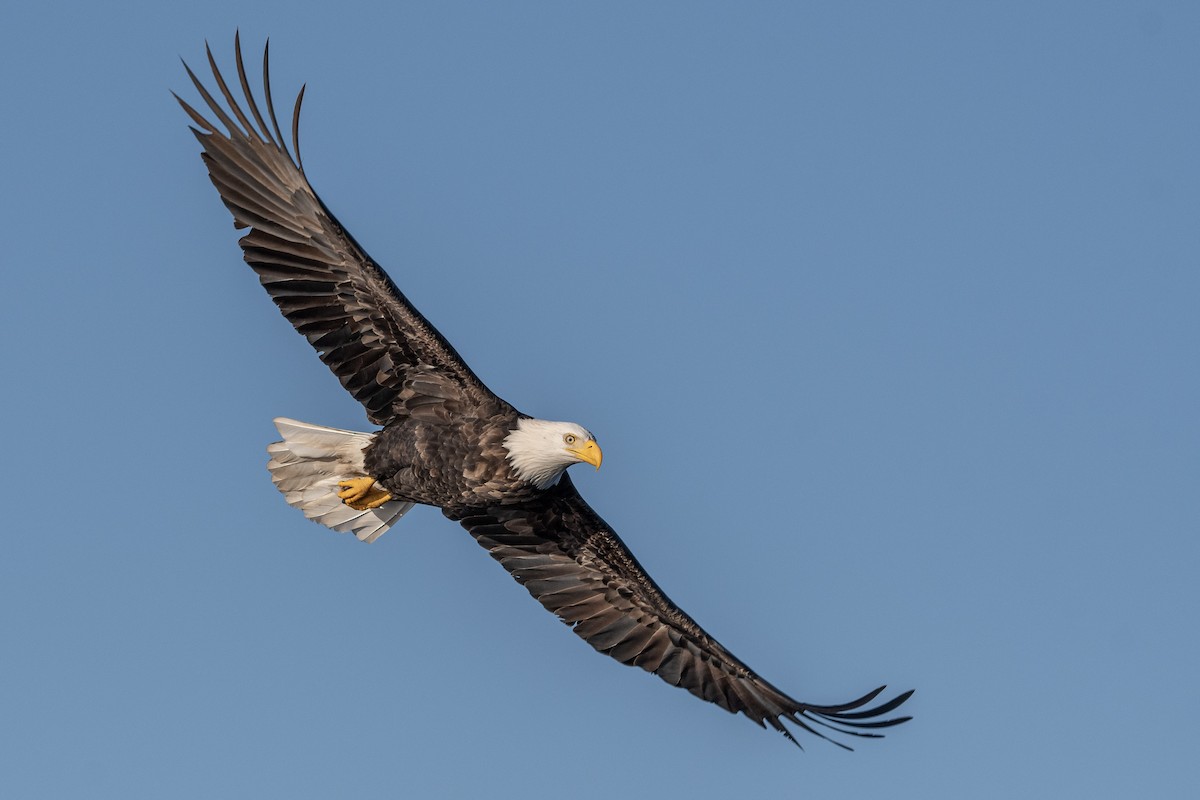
[296,128]
[841,708]
[777,725]
[803,724]
[199,120]
[241,68]
[212,103]
[890,705]
[824,723]
[279,140]
[244,166]
[874,724]
[229,98]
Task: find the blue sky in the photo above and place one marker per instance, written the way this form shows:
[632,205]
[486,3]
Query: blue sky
[918,287]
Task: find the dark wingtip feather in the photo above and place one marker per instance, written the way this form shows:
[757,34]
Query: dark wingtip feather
[296,127]
[212,103]
[849,711]
[229,98]
[264,132]
[270,103]
[879,723]
[890,705]
[803,723]
[196,117]
[788,735]
[847,720]
[853,704]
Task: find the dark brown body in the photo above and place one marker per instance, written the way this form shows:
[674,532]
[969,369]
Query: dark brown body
[452,465]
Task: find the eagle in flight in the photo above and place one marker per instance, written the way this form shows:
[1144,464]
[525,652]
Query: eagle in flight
[447,441]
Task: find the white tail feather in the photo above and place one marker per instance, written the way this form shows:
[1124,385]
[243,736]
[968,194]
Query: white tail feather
[307,466]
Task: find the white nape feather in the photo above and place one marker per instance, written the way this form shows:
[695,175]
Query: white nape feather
[538,452]
[306,467]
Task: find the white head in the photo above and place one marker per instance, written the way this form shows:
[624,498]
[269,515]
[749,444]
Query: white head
[541,450]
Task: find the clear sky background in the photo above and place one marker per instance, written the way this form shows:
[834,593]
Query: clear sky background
[886,316]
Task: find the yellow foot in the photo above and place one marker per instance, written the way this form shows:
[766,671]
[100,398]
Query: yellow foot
[361,494]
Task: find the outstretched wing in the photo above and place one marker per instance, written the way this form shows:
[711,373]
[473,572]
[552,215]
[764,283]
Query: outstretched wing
[575,565]
[347,307]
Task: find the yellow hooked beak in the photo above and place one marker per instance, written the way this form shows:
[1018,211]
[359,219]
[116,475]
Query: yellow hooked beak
[590,453]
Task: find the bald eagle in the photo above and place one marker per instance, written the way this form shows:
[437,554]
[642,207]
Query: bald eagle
[447,441]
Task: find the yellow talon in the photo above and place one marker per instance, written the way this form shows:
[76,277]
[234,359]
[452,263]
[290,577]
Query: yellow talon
[361,494]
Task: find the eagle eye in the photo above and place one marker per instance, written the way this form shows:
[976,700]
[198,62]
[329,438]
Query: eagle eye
[569,438]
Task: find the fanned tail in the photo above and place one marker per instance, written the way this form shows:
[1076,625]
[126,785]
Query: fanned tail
[306,467]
